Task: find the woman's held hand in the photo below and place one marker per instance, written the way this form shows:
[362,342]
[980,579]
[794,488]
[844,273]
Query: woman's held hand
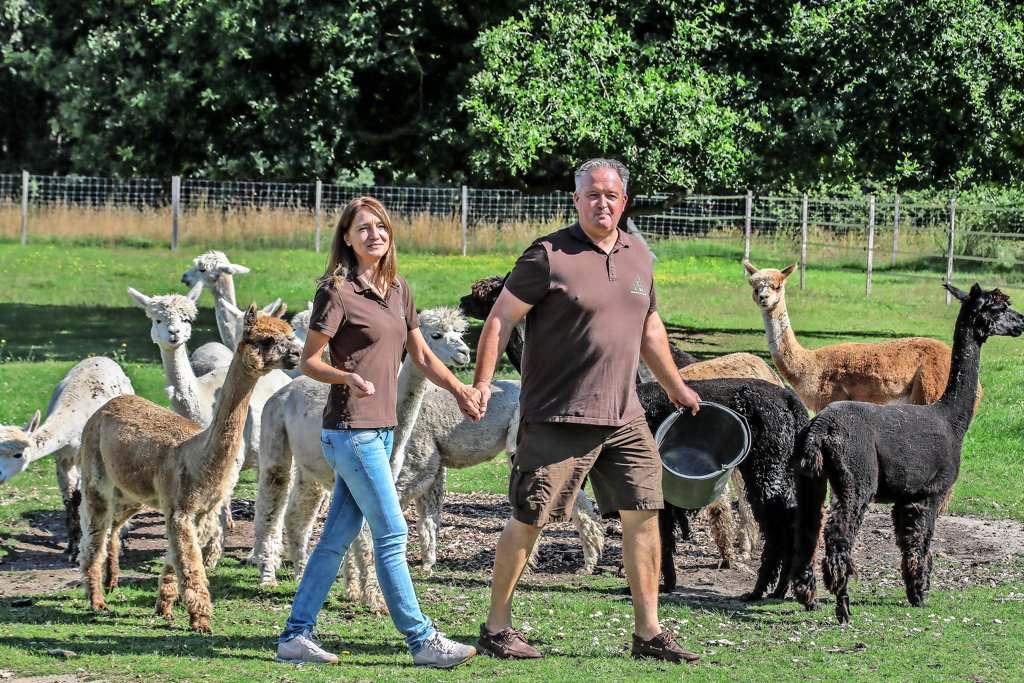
[359,387]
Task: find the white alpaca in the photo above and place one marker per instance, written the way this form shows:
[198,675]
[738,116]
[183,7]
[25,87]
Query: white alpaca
[293,462]
[191,396]
[300,323]
[214,271]
[85,388]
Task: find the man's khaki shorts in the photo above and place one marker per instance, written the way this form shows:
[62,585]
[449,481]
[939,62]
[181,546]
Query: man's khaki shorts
[553,458]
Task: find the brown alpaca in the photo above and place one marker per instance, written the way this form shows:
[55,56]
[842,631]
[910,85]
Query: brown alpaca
[137,454]
[910,370]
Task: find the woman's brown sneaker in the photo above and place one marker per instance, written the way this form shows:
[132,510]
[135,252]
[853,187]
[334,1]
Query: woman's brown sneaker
[662,646]
[508,643]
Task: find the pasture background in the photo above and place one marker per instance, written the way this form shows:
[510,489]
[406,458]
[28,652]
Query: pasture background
[61,304]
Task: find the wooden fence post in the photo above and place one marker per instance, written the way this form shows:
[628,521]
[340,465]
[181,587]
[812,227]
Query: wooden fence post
[871,243]
[747,212]
[465,217]
[24,207]
[803,242]
[895,228]
[949,254]
[175,207]
[318,194]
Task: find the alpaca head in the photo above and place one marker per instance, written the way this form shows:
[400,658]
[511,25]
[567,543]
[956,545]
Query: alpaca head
[267,343]
[769,284]
[484,292]
[14,445]
[443,328]
[989,312]
[171,316]
[208,268]
[300,322]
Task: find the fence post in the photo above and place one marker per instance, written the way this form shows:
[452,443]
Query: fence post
[175,206]
[465,216]
[746,224]
[803,242]
[949,254]
[318,194]
[895,228]
[871,243]
[24,207]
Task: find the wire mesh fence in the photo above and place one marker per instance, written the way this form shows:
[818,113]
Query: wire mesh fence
[875,235]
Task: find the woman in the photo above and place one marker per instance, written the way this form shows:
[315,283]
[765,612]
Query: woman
[364,312]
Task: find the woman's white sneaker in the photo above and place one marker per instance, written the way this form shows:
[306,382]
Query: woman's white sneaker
[441,653]
[304,649]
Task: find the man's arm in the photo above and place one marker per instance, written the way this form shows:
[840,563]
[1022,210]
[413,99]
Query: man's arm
[655,352]
[507,312]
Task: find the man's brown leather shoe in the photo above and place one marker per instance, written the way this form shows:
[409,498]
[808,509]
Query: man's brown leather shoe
[662,646]
[509,643]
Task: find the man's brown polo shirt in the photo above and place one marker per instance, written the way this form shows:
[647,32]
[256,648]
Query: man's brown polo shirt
[584,331]
[368,336]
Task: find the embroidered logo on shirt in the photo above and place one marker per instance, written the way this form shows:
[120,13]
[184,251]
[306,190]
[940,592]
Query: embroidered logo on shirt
[638,287]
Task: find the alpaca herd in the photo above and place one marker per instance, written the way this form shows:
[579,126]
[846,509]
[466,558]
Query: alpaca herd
[890,423]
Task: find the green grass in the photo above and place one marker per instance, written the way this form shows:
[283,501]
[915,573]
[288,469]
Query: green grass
[59,305]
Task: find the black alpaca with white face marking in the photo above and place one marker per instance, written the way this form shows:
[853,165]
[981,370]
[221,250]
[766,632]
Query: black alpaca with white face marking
[904,455]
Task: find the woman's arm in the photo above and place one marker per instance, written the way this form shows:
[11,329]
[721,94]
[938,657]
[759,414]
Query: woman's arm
[439,374]
[314,367]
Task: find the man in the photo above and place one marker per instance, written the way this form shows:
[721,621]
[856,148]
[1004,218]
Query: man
[587,292]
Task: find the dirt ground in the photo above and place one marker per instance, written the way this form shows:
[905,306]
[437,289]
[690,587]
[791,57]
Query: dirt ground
[968,550]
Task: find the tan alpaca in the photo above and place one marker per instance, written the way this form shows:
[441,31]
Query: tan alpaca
[909,370]
[135,454]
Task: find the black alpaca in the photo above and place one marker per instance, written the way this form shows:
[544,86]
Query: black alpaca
[775,416]
[905,455]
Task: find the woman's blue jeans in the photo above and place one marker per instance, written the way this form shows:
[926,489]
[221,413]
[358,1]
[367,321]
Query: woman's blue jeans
[363,488]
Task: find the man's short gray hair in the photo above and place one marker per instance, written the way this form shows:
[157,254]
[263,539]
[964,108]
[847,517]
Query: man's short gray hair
[594,164]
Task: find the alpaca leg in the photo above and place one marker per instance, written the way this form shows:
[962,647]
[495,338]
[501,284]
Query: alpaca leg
[590,530]
[915,523]
[666,529]
[167,591]
[69,480]
[210,528]
[723,528]
[428,510]
[749,534]
[304,502]
[123,511]
[96,515]
[352,573]
[841,529]
[370,588]
[188,565]
[276,476]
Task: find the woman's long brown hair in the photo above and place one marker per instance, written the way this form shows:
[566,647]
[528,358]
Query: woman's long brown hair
[341,260]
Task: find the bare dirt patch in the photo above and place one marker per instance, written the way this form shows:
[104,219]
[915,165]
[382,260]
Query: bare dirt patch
[968,551]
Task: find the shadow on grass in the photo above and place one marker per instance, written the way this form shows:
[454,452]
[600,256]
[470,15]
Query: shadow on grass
[36,333]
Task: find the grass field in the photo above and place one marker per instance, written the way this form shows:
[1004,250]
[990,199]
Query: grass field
[59,304]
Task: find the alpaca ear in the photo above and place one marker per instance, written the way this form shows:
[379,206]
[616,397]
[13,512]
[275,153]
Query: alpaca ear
[33,424]
[960,294]
[976,290]
[749,267]
[250,315]
[194,293]
[230,308]
[309,305]
[787,271]
[275,308]
[233,269]
[141,300]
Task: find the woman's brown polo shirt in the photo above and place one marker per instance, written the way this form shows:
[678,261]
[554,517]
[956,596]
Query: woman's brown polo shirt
[368,336]
[584,331]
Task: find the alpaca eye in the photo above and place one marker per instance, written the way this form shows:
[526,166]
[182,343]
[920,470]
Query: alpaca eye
[436,335]
[18,455]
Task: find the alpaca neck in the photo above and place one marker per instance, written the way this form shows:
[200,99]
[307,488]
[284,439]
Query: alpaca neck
[223,289]
[962,387]
[412,387]
[782,344]
[181,383]
[223,438]
[58,431]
